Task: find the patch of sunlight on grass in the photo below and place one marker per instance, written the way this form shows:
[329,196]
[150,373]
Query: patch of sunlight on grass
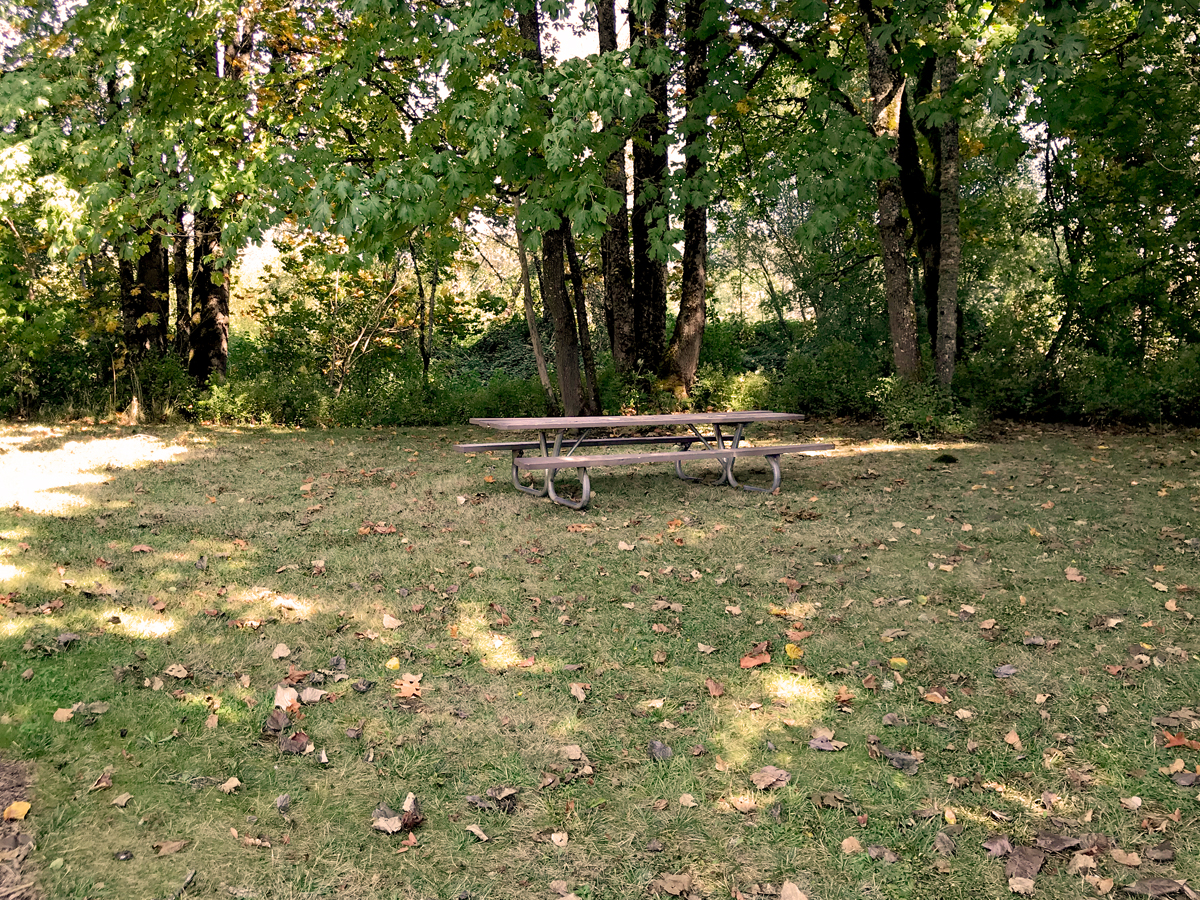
[496,651]
[17,627]
[32,479]
[139,625]
[7,572]
[802,695]
[14,535]
[294,606]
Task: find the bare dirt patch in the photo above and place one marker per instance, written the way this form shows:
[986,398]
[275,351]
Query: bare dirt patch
[16,879]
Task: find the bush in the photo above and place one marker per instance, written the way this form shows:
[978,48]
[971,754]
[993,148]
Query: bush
[838,379]
[715,389]
[920,411]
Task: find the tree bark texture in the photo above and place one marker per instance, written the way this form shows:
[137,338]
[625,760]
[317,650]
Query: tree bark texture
[951,238]
[145,292]
[592,393]
[619,315]
[649,207]
[566,337]
[539,355]
[183,288]
[887,95]
[210,300]
[683,353]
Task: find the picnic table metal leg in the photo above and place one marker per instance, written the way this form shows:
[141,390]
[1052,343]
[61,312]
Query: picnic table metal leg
[585,497]
[549,477]
[776,476]
[719,439]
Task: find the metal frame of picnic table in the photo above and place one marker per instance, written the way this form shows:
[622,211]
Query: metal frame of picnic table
[585,424]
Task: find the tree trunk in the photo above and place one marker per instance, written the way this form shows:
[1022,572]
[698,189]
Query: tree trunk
[539,355]
[887,94]
[154,282]
[566,338]
[592,406]
[649,209]
[183,288]
[619,316]
[424,315]
[951,255]
[210,299]
[683,354]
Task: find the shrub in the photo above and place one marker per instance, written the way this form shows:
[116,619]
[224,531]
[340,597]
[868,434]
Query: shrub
[715,389]
[916,410]
[838,379]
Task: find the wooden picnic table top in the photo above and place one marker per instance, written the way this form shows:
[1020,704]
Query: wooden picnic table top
[562,423]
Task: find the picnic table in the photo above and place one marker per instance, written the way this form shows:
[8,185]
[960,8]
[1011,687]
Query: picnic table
[558,451]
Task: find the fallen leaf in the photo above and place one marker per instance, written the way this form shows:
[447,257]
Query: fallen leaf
[882,853]
[1005,671]
[286,697]
[104,781]
[166,848]
[231,785]
[943,844]
[1013,740]
[579,690]
[687,800]
[17,810]
[675,885]
[704,648]
[734,610]
[1125,858]
[1102,885]
[851,845]
[660,751]
[770,777]
[478,832]
[715,688]
[281,651]
[1156,887]
[621,545]
[559,839]
[998,845]
[389,621]
[312,695]
[1073,575]
[294,743]
[63,715]
[1131,803]
[789,891]
[1021,885]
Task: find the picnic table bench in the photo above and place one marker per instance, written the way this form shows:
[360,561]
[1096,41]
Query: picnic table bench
[716,445]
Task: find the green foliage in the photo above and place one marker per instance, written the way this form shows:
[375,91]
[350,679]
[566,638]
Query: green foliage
[719,390]
[837,379]
[920,411]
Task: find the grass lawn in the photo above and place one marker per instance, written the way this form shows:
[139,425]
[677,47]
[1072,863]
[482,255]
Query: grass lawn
[975,668]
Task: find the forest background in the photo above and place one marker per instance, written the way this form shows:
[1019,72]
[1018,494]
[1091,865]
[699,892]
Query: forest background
[931,211]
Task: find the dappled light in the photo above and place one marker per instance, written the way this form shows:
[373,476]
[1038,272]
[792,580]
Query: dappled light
[35,480]
[7,571]
[137,624]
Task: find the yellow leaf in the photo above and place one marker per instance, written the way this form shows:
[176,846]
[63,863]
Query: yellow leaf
[393,664]
[793,651]
[16,810]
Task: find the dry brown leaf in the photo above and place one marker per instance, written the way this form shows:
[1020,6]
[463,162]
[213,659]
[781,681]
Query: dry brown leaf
[63,715]
[390,622]
[687,800]
[1013,740]
[281,651]
[1020,885]
[478,832]
[1126,859]
[176,671]
[770,777]
[715,688]
[851,845]
[166,848]
[1102,885]
[231,785]
[790,891]
[579,690]
[122,800]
